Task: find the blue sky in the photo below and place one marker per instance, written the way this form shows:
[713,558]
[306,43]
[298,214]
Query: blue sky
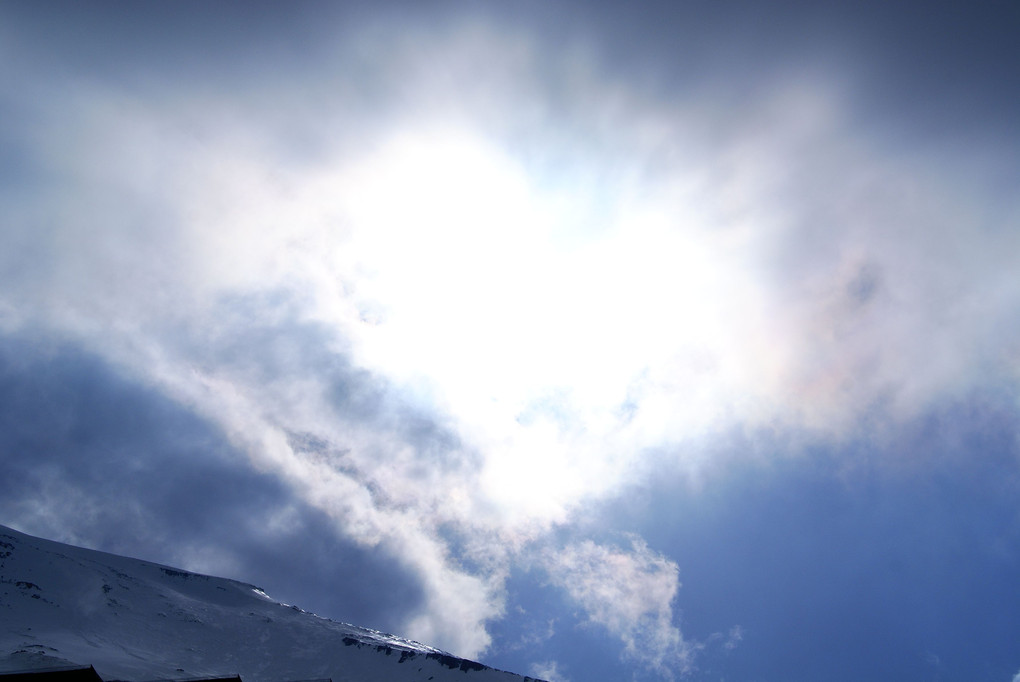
[592,341]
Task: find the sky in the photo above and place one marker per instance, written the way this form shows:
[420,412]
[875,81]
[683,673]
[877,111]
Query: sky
[590,340]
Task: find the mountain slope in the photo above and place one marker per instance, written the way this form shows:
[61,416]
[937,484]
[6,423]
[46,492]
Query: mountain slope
[135,620]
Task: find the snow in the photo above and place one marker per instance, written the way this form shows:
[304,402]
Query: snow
[135,620]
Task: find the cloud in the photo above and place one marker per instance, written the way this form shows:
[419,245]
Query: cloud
[447,294]
[91,456]
[730,640]
[669,274]
[630,593]
[549,671]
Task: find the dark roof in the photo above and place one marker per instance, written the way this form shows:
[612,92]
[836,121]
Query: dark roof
[213,678]
[70,673]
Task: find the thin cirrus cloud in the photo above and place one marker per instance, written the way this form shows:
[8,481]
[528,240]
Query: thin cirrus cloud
[548,670]
[449,293]
[630,593]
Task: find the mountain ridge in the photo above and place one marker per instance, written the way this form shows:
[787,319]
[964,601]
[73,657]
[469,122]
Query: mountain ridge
[139,620]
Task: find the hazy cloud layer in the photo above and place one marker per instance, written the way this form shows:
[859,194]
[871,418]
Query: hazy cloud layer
[431,286]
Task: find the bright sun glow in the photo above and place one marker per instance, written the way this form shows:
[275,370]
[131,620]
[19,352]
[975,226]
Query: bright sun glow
[539,343]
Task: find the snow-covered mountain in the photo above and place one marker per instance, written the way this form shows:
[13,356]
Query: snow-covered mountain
[135,620]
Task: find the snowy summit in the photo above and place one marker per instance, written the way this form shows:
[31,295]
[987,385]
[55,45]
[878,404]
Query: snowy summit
[135,620]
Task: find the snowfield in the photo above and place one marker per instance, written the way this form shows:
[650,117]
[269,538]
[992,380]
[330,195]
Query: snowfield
[135,620]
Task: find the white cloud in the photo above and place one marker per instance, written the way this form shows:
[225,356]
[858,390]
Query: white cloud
[548,671]
[563,283]
[630,593]
[729,640]
[734,637]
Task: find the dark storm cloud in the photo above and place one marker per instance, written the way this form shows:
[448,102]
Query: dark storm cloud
[187,40]
[944,65]
[87,455]
[917,69]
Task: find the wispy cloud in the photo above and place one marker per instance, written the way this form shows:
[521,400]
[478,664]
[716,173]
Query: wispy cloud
[629,592]
[549,671]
